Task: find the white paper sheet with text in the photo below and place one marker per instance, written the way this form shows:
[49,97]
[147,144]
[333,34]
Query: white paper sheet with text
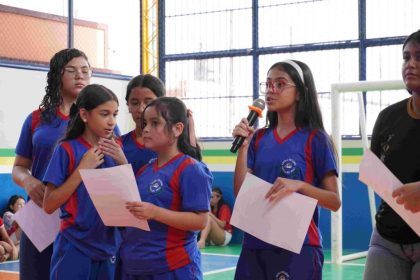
[376,175]
[110,188]
[283,223]
[40,227]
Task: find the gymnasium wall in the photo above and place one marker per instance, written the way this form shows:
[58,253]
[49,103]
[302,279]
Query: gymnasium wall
[22,90]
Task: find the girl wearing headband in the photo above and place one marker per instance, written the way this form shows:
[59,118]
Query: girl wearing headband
[294,153]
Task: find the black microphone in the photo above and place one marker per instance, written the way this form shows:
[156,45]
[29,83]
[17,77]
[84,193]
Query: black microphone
[255,111]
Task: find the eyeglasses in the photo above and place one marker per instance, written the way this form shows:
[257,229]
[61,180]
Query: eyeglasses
[72,71]
[277,86]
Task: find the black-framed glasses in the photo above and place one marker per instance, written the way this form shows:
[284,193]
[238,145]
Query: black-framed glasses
[277,86]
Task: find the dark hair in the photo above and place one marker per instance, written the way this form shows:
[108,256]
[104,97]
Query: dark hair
[308,112]
[173,111]
[89,98]
[147,81]
[221,201]
[415,38]
[52,98]
[12,201]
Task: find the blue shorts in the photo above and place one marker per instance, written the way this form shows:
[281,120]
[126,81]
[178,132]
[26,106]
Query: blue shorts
[69,263]
[280,264]
[191,271]
[33,265]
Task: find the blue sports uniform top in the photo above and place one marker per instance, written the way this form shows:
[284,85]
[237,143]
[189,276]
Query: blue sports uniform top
[137,154]
[37,140]
[183,184]
[80,222]
[302,155]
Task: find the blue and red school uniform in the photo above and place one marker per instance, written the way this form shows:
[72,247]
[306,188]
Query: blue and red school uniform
[304,155]
[135,152]
[183,184]
[36,142]
[84,245]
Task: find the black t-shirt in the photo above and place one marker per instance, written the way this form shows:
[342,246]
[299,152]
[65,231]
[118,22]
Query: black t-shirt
[396,141]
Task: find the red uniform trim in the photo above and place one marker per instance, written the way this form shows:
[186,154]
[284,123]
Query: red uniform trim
[36,120]
[176,255]
[313,233]
[71,205]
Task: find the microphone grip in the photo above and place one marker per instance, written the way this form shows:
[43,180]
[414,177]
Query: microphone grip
[252,117]
[237,143]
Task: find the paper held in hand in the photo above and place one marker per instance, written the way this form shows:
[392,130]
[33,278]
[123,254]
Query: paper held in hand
[377,176]
[110,188]
[283,223]
[41,228]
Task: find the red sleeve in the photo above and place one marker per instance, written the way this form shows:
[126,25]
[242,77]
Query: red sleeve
[224,215]
[1,222]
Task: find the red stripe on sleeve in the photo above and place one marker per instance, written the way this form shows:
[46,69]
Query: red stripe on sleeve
[71,205]
[36,120]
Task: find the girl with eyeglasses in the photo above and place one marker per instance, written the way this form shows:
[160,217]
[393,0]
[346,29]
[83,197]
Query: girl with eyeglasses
[294,153]
[40,132]
[141,90]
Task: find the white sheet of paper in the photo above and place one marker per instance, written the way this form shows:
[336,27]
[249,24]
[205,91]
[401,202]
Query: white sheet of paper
[283,224]
[40,227]
[376,175]
[110,188]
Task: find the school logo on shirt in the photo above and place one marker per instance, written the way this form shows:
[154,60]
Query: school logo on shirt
[282,275]
[156,186]
[289,169]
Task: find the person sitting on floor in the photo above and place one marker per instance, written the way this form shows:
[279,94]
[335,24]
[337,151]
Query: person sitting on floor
[15,203]
[218,230]
[8,250]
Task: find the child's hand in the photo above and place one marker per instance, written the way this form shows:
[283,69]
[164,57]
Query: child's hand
[142,210]
[283,187]
[244,130]
[91,159]
[111,148]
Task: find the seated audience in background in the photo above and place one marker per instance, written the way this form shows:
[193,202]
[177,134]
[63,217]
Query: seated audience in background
[218,230]
[15,203]
[8,250]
